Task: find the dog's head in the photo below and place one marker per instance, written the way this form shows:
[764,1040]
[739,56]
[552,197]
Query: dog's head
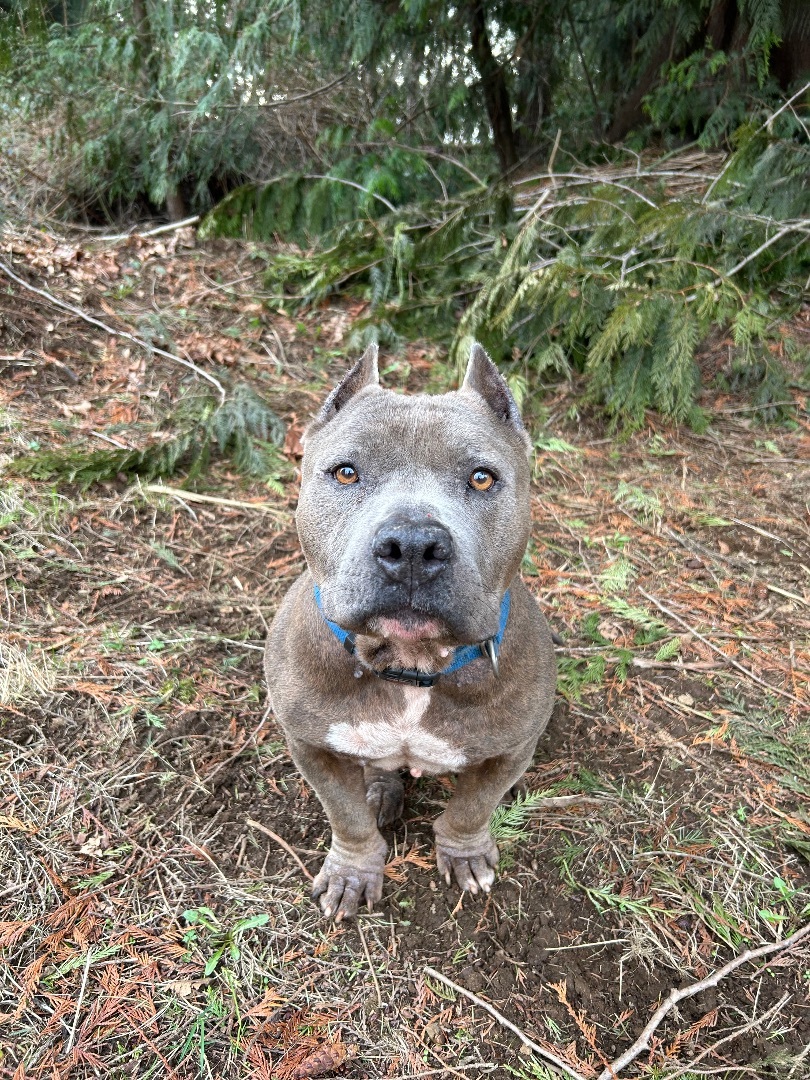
[414,511]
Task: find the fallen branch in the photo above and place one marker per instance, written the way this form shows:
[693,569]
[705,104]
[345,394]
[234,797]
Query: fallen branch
[642,1043]
[485,1005]
[281,843]
[728,659]
[172,226]
[109,330]
[213,500]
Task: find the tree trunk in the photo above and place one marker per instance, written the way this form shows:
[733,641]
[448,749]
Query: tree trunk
[175,205]
[720,27]
[493,83]
[630,112]
[791,58]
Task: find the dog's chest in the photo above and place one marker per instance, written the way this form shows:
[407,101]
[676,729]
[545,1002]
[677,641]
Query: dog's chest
[398,740]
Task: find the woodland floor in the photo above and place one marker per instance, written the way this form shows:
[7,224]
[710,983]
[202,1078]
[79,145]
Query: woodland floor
[137,757]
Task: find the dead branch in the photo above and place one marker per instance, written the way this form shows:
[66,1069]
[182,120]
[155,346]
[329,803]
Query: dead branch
[728,659]
[642,1043]
[485,1005]
[172,226]
[213,500]
[109,330]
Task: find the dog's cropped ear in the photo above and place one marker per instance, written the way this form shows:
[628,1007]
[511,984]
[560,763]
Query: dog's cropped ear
[484,379]
[363,374]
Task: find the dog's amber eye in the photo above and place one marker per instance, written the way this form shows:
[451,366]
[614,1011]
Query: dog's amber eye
[482,480]
[345,474]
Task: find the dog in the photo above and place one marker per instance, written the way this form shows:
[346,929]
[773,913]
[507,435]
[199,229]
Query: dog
[411,642]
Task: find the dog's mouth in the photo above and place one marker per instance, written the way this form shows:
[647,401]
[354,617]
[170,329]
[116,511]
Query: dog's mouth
[409,626]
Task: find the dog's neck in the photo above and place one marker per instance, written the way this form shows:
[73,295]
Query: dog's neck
[416,661]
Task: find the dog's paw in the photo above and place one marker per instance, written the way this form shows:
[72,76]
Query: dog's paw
[472,865]
[386,797]
[344,883]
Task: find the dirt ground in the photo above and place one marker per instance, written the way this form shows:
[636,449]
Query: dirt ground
[156,840]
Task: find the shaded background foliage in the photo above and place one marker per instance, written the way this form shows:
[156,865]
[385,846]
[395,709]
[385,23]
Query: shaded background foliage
[392,141]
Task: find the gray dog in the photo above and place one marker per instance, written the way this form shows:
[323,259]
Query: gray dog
[411,641]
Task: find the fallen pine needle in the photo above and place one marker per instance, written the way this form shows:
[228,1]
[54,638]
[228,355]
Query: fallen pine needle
[281,843]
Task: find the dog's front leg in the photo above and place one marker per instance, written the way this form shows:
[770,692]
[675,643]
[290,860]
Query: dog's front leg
[353,869]
[464,845]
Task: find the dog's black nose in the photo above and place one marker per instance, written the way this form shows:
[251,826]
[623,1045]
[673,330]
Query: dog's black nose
[412,551]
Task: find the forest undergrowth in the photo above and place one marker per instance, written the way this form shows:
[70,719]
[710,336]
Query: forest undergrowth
[156,839]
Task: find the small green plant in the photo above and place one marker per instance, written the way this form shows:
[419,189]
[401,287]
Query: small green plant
[669,650]
[650,628]
[509,821]
[617,576]
[575,675]
[641,502]
[203,924]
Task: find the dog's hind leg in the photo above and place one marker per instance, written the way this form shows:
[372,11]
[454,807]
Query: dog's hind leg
[384,794]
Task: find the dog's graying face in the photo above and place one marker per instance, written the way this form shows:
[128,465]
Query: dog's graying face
[414,511]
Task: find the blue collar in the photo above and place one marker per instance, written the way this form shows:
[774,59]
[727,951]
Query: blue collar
[464,654]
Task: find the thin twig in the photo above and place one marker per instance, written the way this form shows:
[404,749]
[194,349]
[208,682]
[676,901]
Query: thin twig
[750,1026]
[430,153]
[374,978]
[728,659]
[642,1043]
[586,945]
[213,500]
[171,226]
[281,843]
[72,1035]
[761,127]
[557,801]
[351,183]
[485,1005]
[762,532]
[112,442]
[109,330]
[486,1066]
[801,226]
[223,764]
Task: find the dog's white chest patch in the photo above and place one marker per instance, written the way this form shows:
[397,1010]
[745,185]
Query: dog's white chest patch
[398,741]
